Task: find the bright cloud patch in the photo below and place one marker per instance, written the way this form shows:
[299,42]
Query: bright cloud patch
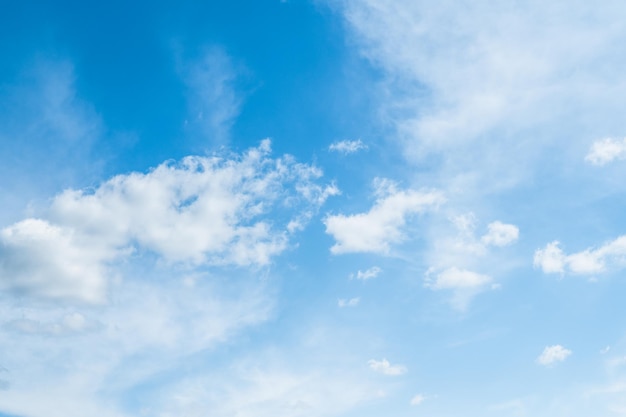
[552,354]
[384,367]
[500,234]
[606,150]
[347,146]
[382,225]
[552,259]
[454,278]
[369,273]
[201,211]
[44,260]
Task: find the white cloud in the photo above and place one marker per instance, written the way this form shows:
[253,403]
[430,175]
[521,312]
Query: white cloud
[384,367]
[552,259]
[44,260]
[347,146]
[552,354]
[418,399]
[201,211]
[383,224]
[352,302]
[606,150]
[454,279]
[369,273]
[500,234]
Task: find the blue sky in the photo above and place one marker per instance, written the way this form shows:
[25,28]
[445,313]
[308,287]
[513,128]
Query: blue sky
[312,208]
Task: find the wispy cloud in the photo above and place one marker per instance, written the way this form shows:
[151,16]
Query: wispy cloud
[347,146]
[345,302]
[376,230]
[386,368]
[369,273]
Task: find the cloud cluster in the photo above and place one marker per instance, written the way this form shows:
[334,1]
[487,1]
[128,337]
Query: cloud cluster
[606,150]
[376,230]
[552,354]
[201,211]
[552,259]
[456,257]
[386,368]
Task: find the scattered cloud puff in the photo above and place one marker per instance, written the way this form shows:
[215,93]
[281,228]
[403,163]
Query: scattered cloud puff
[201,211]
[607,150]
[369,273]
[500,234]
[375,230]
[352,302]
[552,354]
[552,259]
[455,278]
[384,367]
[418,399]
[347,146]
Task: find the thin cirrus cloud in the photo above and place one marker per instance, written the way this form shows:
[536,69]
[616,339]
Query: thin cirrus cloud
[348,302]
[347,146]
[201,211]
[552,260]
[553,354]
[369,273]
[606,150]
[376,230]
[386,368]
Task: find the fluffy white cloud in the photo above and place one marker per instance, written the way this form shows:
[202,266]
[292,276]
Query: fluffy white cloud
[347,146]
[552,354]
[44,260]
[384,367]
[606,150]
[352,302]
[552,259]
[382,225]
[201,211]
[500,234]
[369,273]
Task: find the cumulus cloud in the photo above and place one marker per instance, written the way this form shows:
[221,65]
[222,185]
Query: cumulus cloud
[369,273]
[376,230]
[552,259]
[500,234]
[552,354]
[606,150]
[352,302]
[384,367]
[44,260]
[347,146]
[200,211]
